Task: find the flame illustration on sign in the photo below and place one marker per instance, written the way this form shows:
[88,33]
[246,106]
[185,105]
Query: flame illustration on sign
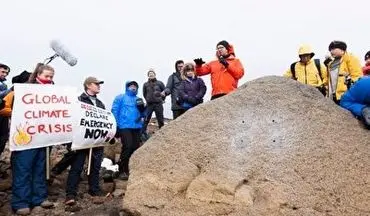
[21,137]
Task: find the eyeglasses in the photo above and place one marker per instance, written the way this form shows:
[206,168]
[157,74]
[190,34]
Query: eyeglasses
[220,48]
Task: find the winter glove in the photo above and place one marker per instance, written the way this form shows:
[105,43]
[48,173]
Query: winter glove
[366,116]
[348,82]
[223,61]
[199,61]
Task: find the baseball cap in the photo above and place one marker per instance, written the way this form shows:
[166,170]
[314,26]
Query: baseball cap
[90,80]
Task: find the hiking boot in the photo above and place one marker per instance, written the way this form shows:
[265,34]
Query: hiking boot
[123,176]
[23,211]
[47,204]
[70,201]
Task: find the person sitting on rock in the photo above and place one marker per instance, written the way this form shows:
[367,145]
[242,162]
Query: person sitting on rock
[130,118]
[225,71]
[92,89]
[366,68]
[357,100]
[192,89]
[343,71]
[307,70]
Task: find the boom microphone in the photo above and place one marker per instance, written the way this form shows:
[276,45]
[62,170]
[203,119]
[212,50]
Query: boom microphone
[62,52]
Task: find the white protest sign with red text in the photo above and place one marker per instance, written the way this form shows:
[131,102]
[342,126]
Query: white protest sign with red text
[92,127]
[41,116]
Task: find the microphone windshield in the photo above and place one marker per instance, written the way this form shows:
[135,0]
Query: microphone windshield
[63,52]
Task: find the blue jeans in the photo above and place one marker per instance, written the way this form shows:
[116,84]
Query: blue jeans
[77,168]
[29,187]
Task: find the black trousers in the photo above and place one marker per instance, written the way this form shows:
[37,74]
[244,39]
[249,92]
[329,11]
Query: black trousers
[157,108]
[77,166]
[130,139]
[4,132]
[66,161]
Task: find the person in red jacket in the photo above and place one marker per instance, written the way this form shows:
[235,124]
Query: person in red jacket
[366,68]
[225,71]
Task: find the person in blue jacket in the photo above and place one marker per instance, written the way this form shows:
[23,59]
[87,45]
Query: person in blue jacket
[127,109]
[357,100]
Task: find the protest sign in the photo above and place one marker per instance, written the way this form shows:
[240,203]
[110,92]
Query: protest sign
[92,127]
[41,116]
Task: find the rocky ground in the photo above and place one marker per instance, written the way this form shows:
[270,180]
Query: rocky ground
[85,206]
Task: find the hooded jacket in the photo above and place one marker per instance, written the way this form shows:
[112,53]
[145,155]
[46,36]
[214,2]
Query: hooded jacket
[224,79]
[125,110]
[357,97]
[308,73]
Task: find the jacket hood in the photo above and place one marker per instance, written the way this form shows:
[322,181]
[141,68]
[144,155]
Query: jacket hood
[305,49]
[128,83]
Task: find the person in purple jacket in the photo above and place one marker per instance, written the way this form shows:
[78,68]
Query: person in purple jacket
[192,88]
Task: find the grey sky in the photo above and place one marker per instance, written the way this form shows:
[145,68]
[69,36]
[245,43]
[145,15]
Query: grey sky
[118,40]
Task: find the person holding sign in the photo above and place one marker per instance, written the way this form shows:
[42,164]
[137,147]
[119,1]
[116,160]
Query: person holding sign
[29,187]
[92,88]
[129,119]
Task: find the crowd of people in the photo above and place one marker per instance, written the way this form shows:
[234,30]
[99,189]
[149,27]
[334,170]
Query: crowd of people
[132,114]
[337,77]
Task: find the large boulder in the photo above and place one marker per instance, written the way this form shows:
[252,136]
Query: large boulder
[273,147]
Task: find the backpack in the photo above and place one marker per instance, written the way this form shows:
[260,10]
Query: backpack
[317,63]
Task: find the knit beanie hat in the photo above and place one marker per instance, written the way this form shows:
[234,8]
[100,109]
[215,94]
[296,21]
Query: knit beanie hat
[224,43]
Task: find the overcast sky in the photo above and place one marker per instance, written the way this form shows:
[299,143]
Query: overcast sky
[117,40]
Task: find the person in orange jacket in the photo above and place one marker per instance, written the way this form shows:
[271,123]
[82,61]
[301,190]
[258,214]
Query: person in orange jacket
[6,109]
[225,71]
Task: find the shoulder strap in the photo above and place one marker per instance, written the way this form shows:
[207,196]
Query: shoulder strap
[292,69]
[318,66]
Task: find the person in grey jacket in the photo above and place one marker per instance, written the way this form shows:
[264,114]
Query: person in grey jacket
[154,99]
[173,87]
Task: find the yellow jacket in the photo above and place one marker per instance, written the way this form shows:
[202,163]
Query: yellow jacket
[349,65]
[309,74]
